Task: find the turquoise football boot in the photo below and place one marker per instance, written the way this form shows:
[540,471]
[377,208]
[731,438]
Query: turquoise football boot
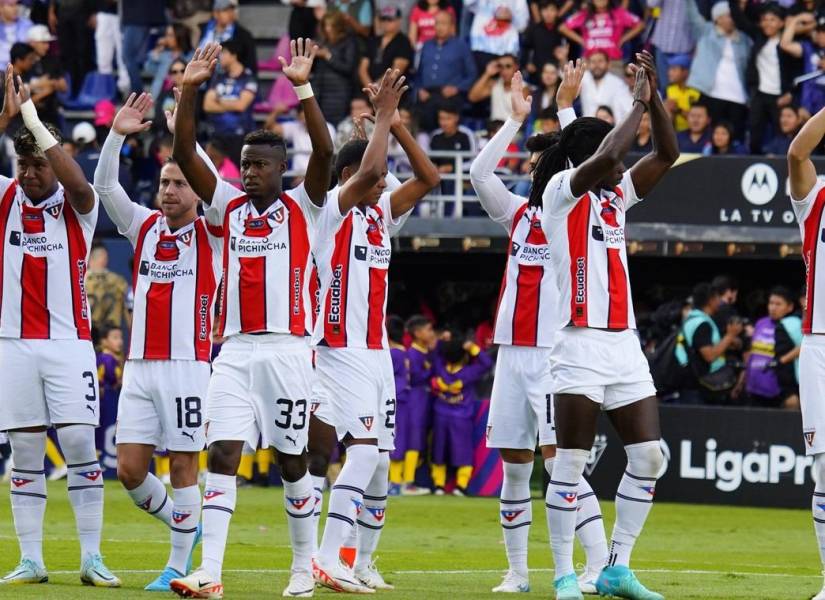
[620,581]
[567,588]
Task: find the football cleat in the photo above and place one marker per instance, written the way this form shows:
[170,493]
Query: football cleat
[513,583]
[413,490]
[371,578]
[301,585]
[94,572]
[347,555]
[439,491]
[338,578]
[459,492]
[161,584]
[620,581]
[199,584]
[394,489]
[587,582]
[567,588]
[27,571]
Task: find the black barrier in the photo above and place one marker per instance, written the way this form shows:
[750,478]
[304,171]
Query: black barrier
[716,455]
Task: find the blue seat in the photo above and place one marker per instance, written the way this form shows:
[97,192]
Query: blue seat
[96,87]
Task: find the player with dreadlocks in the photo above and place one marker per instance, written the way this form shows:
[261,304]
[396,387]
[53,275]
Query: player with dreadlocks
[526,320]
[596,361]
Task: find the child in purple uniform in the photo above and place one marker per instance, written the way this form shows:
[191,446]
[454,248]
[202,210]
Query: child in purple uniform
[401,370]
[458,368]
[109,375]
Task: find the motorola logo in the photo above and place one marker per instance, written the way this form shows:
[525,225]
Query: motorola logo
[759,184]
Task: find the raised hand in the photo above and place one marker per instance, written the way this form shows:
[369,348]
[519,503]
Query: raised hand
[641,88]
[386,97]
[644,59]
[521,105]
[571,83]
[202,66]
[130,118]
[170,114]
[303,52]
[396,119]
[16,93]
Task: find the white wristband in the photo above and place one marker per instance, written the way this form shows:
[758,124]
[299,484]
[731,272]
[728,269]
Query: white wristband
[42,135]
[304,91]
[566,116]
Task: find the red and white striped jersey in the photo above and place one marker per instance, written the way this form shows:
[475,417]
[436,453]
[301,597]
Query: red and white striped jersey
[587,247]
[175,278]
[353,254]
[809,212]
[266,261]
[527,314]
[45,250]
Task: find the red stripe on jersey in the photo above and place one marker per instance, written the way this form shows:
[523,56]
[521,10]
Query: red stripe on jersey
[813,225]
[215,230]
[234,204]
[34,310]
[335,325]
[315,293]
[578,222]
[252,293]
[157,343]
[375,311]
[528,292]
[77,272]
[5,211]
[616,290]
[298,259]
[205,285]
[513,226]
[141,238]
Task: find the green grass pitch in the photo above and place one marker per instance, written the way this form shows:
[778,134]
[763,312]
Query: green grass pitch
[443,548]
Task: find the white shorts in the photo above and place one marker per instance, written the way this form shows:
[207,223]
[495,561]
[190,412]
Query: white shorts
[261,387]
[608,367]
[320,407]
[812,392]
[521,407]
[163,403]
[361,391]
[47,382]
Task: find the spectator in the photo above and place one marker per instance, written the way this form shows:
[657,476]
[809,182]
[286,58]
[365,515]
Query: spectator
[104,117]
[174,45]
[46,79]
[357,13]
[137,19]
[696,137]
[770,70]
[397,158]
[450,137]
[542,42]
[602,88]
[109,43]
[303,21]
[720,63]
[772,366]
[23,61]
[357,106]
[722,142]
[494,84]
[166,100]
[495,28]
[106,290]
[564,6]
[224,26]
[296,135]
[109,362]
[422,20]
[679,97]
[643,143]
[227,170]
[672,35]
[812,53]
[605,114]
[13,28]
[602,26]
[228,101]
[334,69]
[446,70]
[789,124]
[545,96]
[87,150]
[547,121]
[389,50]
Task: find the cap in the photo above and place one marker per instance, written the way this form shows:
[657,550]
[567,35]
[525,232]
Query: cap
[84,133]
[679,60]
[224,4]
[39,33]
[389,13]
[820,23]
[719,9]
[104,112]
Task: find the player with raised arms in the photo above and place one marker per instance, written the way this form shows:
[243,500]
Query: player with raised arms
[352,351]
[262,379]
[808,201]
[49,375]
[597,362]
[521,408]
[175,277]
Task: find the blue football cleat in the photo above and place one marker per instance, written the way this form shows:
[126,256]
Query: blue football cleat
[567,588]
[161,584]
[394,489]
[620,581]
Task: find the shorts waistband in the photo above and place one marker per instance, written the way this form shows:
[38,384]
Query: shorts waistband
[281,339]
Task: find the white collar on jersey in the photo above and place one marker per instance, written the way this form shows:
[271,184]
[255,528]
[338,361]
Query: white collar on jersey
[53,200]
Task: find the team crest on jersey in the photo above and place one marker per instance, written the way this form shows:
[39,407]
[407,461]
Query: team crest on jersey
[54,211]
[568,497]
[359,506]
[278,215]
[180,516]
[299,503]
[210,494]
[257,227]
[186,237]
[510,515]
[20,481]
[809,436]
[367,421]
[146,504]
[377,512]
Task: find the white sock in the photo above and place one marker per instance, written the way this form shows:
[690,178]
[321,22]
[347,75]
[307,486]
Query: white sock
[185,518]
[516,513]
[590,527]
[818,504]
[85,484]
[634,499]
[219,496]
[318,484]
[299,502]
[151,496]
[347,499]
[372,519]
[561,502]
[28,492]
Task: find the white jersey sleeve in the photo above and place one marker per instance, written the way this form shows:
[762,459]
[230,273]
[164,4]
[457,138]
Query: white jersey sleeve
[329,216]
[628,191]
[311,210]
[802,208]
[394,225]
[558,199]
[88,221]
[224,194]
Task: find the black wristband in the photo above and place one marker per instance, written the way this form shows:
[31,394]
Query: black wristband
[644,104]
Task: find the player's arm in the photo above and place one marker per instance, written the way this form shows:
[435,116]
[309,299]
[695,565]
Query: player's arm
[194,167]
[801,170]
[385,100]
[615,145]
[650,169]
[425,173]
[319,168]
